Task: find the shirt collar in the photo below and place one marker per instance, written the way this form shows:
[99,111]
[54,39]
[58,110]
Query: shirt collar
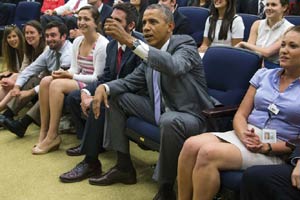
[122,46]
[275,26]
[280,72]
[165,46]
[61,49]
[100,8]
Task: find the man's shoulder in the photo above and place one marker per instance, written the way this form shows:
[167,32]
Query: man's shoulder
[106,8]
[112,43]
[182,39]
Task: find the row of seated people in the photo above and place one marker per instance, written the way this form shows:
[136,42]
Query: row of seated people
[66,13]
[232,26]
[275,38]
[256,7]
[224,27]
[88,58]
[181,22]
[85,55]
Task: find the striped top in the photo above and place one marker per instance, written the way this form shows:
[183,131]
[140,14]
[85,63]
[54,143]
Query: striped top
[86,62]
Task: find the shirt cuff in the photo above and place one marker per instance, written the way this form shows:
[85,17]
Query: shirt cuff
[107,89]
[37,89]
[86,91]
[294,161]
[142,50]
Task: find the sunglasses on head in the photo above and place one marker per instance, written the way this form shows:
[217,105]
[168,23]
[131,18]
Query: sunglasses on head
[10,26]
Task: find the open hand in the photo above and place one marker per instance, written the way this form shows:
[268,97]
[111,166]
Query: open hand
[296,175]
[100,96]
[114,29]
[85,103]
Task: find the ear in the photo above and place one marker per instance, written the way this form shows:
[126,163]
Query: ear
[173,2]
[286,9]
[171,26]
[131,26]
[64,37]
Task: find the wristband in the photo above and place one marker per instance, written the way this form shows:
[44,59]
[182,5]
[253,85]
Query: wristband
[269,149]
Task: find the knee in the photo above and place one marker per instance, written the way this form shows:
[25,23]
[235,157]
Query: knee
[56,85]
[170,124]
[123,101]
[190,148]
[45,82]
[207,155]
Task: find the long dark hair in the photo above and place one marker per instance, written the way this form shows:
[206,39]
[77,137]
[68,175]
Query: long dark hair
[13,57]
[139,24]
[226,22]
[30,52]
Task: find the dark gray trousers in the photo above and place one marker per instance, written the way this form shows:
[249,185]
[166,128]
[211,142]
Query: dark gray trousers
[175,128]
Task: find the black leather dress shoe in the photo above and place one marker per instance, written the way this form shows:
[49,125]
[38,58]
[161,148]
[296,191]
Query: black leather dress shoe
[15,127]
[81,171]
[74,151]
[114,175]
[165,194]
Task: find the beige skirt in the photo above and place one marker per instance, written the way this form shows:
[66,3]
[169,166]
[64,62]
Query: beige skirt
[249,158]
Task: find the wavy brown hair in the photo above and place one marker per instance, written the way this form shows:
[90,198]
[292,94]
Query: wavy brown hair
[10,54]
[30,52]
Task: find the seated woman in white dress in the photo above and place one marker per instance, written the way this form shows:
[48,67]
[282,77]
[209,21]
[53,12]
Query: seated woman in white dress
[88,62]
[271,104]
[223,27]
[265,35]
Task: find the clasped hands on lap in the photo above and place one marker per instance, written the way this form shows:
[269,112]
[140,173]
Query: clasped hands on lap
[61,74]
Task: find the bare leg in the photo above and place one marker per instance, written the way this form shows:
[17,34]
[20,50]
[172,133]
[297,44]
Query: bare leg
[211,158]
[4,97]
[58,88]
[186,163]
[44,106]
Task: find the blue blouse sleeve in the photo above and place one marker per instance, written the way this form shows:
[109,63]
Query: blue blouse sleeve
[257,77]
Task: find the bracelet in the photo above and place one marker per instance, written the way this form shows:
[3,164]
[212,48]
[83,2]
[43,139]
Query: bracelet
[269,149]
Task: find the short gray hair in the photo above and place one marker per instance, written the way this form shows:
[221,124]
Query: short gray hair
[165,10]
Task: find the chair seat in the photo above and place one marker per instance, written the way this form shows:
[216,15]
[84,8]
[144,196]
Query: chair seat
[150,136]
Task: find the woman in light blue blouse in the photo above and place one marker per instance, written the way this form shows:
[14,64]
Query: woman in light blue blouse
[270,106]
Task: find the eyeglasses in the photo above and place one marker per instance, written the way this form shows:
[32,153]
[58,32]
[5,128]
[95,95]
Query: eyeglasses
[10,26]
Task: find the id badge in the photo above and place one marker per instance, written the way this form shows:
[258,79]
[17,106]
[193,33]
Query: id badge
[273,108]
[269,136]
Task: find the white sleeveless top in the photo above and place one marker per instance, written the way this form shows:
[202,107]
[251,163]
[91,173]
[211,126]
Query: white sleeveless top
[269,35]
[236,32]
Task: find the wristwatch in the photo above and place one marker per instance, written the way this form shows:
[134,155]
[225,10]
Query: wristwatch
[135,44]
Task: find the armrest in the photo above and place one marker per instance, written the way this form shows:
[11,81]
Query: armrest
[223,111]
